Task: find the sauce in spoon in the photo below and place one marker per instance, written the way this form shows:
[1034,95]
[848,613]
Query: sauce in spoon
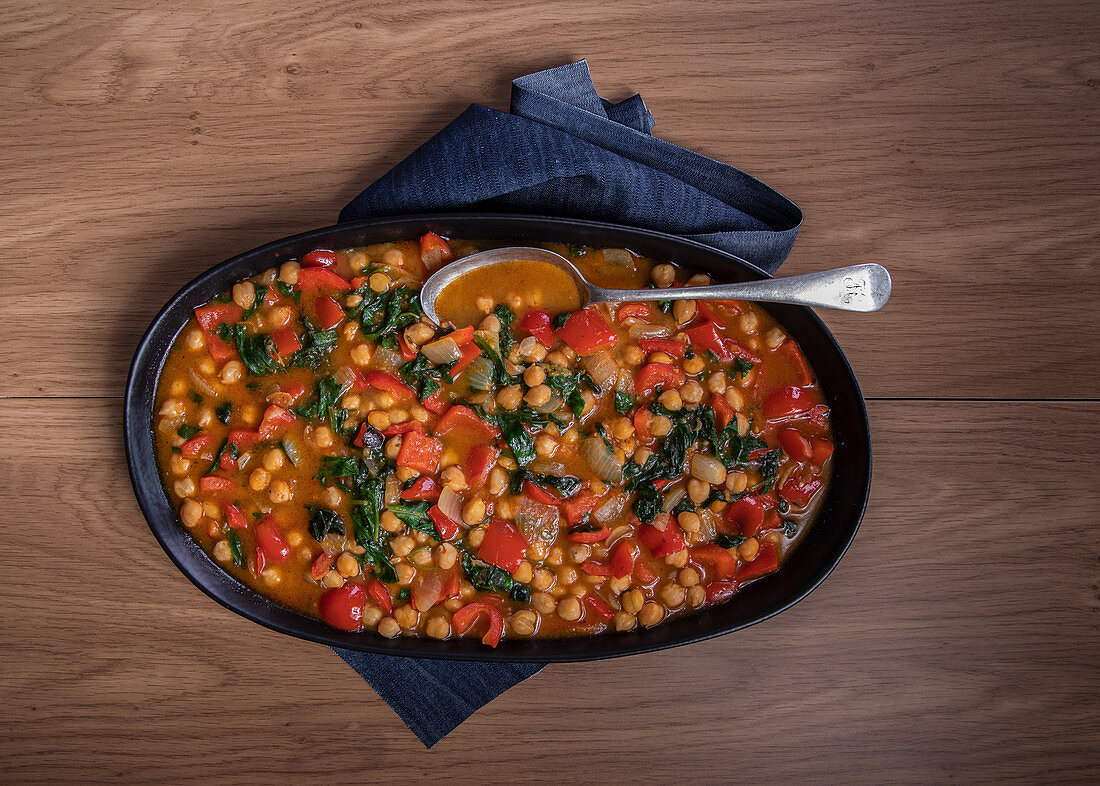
[521,284]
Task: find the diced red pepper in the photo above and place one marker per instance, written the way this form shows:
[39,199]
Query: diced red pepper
[470,353]
[595,536]
[320,257]
[741,351]
[434,251]
[386,382]
[538,324]
[293,390]
[342,607]
[823,449]
[503,545]
[668,346]
[628,310]
[622,559]
[462,336]
[790,351]
[420,452]
[407,352]
[445,527]
[587,333]
[221,351]
[233,517]
[286,341]
[654,375]
[662,542]
[213,484]
[745,515]
[765,562]
[274,419]
[329,313]
[720,564]
[271,541]
[357,440]
[644,573]
[577,507]
[321,565]
[598,606]
[320,279]
[596,568]
[423,488]
[479,462]
[539,494]
[787,401]
[244,439]
[404,428]
[197,445]
[214,314]
[379,595]
[642,418]
[720,591]
[724,412]
[465,617]
[464,423]
[257,567]
[796,444]
[707,338]
[799,492]
[437,402]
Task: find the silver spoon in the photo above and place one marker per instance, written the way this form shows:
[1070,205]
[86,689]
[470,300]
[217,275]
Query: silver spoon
[856,288]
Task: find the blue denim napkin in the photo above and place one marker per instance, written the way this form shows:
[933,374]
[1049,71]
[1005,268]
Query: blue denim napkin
[563,151]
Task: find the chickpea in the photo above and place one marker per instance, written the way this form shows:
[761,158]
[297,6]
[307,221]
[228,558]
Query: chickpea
[542,579]
[498,480]
[641,455]
[179,465]
[567,574]
[625,621]
[259,479]
[222,552]
[660,425]
[361,354]
[663,274]
[510,396]
[633,355]
[524,572]
[474,512]
[273,459]
[332,579]
[322,437]
[673,595]
[555,557]
[543,603]
[693,365]
[453,478]
[206,417]
[173,408]
[651,614]
[350,331]
[475,536]
[618,586]
[379,282]
[392,447]
[696,596]
[347,565]
[405,573]
[437,627]
[633,601]
[401,546]
[295,539]
[244,294]
[371,615]
[545,445]
[280,492]
[532,350]
[557,358]
[689,522]
[523,622]
[698,490]
[737,481]
[748,322]
[671,400]
[380,420]
[418,333]
[742,425]
[688,577]
[698,280]
[388,627]
[407,617]
[538,395]
[390,522]
[691,392]
[683,311]
[579,552]
[191,512]
[196,340]
[774,337]
[422,557]
[534,375]
[288,273]
[677,559]
[446,555]
[748,550]
[484,304]
[717,382]
[569,609]
[207,366]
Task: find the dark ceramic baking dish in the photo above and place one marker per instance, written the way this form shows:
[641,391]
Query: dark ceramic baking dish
[805,568]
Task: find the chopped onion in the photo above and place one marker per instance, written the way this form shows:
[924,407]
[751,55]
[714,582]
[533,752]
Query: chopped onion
[536,521]
[386,359]
[201,384]
[450,504]
[292,449]
[672,499]
[708,469]
[602,368]
[544,467]
[610,508]
[552,404]
[618,256]
[442,352]
[602,460]
[646,330]
[393,490]
[346,377]
[479,374]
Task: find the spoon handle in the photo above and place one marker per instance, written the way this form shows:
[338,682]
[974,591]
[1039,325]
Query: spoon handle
[855,288]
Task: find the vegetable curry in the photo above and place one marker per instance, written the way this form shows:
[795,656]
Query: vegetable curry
[532,474]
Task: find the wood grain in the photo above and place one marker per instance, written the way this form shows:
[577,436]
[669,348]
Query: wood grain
[956,641]
[956,143]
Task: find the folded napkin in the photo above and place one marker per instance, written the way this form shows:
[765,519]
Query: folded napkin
[563,151]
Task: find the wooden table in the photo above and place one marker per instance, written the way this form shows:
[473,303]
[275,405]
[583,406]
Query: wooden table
[954,142]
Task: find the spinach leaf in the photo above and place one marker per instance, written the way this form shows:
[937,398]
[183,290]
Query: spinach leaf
[577,251]
[566,484]
[742,366]
[790,527]
[377,555]
[415,515]
[339,470]
[624,402]
[324,406]
[647,503]
[559,320]
[316,347]
[500,371]
[325,522]
[506,317]
[730,541]
[261,293]
[489,578]
[223,411]
[186,432]
[257,352]
[235,548]
[769,469]
[386,313]
[366,507]
[519,442]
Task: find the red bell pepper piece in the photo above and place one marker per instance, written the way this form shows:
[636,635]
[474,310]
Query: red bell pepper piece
[503,545]
[644,573]
[787,401]
[244,439]
[286,341]
[221,351]
[823,449]
[271,541]
[407,352]
[404,428]
[765,562]
[575,508]
[622,559]
[598,606]
[197,445]
[423,488]
[668,346]
[462,336]
[707,338]
[465,617]
[213,314]
[587,333]
[720,591]
[479,462]
[329,313]
[745,515]
[213,484]
[795,444]
[257,566]
[320,279]
[794,357]
[724,412]
[320,257]
[420,452]
[589,537]
[233,517]
[384,381]
[720,564]
[437,402]
[642,418]
[636,310]
[538,324]
[275,418]
[343,607]
[799,492]
[445,527]
[654,375]
[539,494]
[662,541]
[470,352]
[321,565]
[465,424]
[596,568]
[379,595]
[434,251]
